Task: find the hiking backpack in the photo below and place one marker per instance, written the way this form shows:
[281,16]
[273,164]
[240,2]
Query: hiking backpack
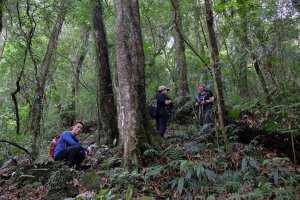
[53,145]
[152,108]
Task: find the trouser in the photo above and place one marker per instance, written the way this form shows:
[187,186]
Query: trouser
[205,115]
[161,124]
[74,155]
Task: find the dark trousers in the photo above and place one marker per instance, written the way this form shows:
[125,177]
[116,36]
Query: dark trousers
[72,154]
[161,123]
[205,115]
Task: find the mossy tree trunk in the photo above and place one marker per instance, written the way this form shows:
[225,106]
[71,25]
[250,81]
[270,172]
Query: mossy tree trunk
[107,118]
[133,119]
[180,59]
[77,66]
[216,71]
[41,78]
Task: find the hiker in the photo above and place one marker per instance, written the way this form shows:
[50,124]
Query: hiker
[69,149]
[164,109]
[204,101]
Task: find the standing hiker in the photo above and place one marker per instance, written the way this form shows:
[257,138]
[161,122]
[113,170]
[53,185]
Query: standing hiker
[164,109]
[204,101]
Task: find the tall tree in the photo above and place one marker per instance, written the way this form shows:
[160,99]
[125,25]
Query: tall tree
[198,25]
[243,33]
[28,39]
[107,118]
[77,66]
[216,70]
[41,78]
[131,79]
[133,120]
[180,59]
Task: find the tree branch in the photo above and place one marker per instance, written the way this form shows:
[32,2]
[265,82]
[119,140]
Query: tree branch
[15,144]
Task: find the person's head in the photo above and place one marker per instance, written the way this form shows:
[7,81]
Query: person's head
[163,89]
[77,128]
[201,87]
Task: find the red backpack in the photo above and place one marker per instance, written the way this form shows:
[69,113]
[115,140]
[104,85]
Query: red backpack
[53,145]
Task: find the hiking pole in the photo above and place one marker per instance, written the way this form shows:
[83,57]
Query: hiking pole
[202,114]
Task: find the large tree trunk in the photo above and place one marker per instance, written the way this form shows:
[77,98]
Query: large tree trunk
[180,60]
[132,115]
[216,71]
[105,96]
[131,76]
[37,105]
[77,66]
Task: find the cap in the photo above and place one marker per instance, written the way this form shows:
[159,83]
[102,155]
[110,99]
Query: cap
[162,87]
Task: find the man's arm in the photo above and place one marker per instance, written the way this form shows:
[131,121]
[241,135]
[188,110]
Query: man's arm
[67,137]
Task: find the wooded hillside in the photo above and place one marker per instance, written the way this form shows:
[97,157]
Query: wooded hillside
[101,62]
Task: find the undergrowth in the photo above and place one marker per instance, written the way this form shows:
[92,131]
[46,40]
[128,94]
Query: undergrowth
[196,167]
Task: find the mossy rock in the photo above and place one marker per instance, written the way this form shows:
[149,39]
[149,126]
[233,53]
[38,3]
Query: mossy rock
[185,113]
[146,198]
[91,180]
[60,184]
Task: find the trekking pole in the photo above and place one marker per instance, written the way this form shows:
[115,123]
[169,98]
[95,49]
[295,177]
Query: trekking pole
[202,114]
[202,111]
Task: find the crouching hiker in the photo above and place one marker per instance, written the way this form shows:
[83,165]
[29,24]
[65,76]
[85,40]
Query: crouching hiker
[69,149]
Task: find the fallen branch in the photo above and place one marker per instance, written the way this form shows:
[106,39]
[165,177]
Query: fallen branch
[268,95]
[15,144]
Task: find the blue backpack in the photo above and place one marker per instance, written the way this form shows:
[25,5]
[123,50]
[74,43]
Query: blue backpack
[152,108]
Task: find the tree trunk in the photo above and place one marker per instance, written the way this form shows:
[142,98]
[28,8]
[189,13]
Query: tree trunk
[246,42]
[243,76]
[243,79]
[105,96]
[1,14]
[14,93]
[37,105]
[216,71]
[199,43]
[131,76]
[77,70]
[180,60]
[259,73]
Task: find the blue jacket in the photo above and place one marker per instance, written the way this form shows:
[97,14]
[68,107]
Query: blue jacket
[66,140]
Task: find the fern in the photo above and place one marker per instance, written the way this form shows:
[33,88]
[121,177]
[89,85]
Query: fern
[194,147]
[151,153]
[153,172]
[173,152]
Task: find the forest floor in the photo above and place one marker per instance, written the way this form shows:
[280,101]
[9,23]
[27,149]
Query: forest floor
[191,165]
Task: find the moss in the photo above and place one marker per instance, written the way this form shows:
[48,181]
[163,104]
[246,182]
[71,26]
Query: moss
[271,125]
[60,184]
[233,114]
[91,181]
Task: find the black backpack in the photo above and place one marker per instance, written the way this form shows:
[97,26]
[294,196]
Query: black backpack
[152,108]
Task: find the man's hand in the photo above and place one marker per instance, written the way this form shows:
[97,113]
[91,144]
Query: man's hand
[89,149]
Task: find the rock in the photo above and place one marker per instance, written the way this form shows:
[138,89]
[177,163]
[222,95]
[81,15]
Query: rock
[91,181]
[60,185]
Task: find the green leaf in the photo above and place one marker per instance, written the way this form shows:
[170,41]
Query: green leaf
[211,176]
[180,185]
[244,164]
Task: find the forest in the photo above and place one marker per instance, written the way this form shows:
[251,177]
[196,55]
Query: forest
[101,62]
